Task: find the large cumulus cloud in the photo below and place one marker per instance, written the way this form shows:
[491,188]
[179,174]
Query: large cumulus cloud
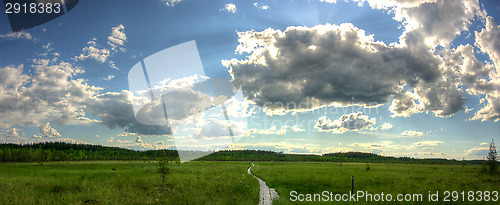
[488,42]
[54,95]
[341,65]
[439,21]
[50,94]
[337,64]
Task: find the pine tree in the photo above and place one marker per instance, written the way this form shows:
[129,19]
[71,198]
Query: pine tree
[493,158]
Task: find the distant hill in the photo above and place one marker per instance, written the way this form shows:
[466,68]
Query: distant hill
[257,155]
[60,151]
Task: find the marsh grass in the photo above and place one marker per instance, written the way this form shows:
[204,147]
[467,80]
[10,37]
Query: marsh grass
[130,183]
[136,182]
[313,178]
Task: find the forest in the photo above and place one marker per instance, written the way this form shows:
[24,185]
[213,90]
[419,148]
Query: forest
[61,151]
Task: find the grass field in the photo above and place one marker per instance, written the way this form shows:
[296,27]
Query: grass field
[224,182]
[313,178]
[130,183]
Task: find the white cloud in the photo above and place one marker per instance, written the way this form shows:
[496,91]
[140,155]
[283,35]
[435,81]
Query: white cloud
[213,128]
[48,47]
[454,16]
[379,147]
[125,142]
[53,94]
[387,126]
[491,111]
[114,109]
[478,151]
[286,147]
[347,122]
[17,36]
[427,143]
[48,134]
[181,99]
[438,21]
[47,131]
[329,1]
[487,40]
[271,131]
[412,133]
[444,98]
[139,140]
[102,54]
[110,77]
[239,108]
[386,4]
[489,85]
[50,94]
[423,77]
[171,3]
[273,75]
[93,52]
[297,128]
[12,133]
[261,6]
[231,8]
[117,38]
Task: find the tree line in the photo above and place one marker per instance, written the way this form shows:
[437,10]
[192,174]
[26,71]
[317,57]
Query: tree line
[258,155]
[61,151]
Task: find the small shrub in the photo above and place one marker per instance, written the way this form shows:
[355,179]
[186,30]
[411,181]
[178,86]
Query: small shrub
[367,167]
[163,168]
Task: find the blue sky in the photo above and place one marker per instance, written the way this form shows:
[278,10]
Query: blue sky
[419,79]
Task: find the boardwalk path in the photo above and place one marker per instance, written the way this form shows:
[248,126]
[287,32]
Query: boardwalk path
[266,194]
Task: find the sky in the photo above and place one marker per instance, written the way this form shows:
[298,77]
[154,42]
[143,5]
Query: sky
[397,78]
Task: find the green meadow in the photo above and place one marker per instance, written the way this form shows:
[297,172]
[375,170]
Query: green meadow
[389,178]
[136,182]
[118,182]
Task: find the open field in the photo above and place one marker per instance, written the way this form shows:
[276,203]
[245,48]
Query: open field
[131,183]
[313,178]
[95,182]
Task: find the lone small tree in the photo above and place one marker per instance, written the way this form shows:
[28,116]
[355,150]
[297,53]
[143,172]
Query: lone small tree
[163,167]
[493,158]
